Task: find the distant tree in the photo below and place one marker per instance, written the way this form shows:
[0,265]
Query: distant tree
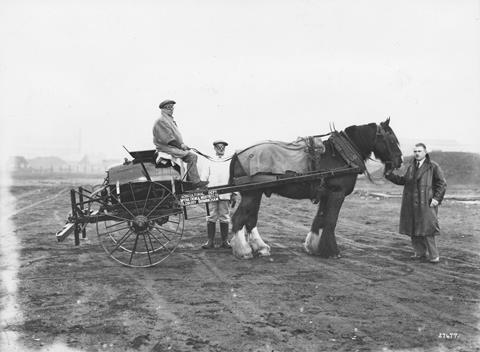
[20,162]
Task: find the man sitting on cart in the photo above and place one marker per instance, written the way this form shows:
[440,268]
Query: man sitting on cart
[168,139]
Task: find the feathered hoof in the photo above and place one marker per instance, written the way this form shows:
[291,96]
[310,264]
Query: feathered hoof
[240,247]
[264,252]
[308,250]
[245,255]
[311,243]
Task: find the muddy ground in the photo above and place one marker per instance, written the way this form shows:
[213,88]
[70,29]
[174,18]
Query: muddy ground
[372,299]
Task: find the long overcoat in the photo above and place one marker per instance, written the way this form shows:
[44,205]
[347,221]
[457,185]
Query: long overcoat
[421,185]
[165,130]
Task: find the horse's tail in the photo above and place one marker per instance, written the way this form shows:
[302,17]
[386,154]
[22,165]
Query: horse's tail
[232,168]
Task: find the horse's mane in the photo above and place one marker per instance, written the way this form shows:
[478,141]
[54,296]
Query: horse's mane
[364,138]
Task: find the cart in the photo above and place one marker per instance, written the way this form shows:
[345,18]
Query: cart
[139,211]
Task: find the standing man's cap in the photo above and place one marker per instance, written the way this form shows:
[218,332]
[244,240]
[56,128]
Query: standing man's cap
[164,103]
[220,141]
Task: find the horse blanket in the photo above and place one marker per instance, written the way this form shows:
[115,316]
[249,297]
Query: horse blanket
[274,157]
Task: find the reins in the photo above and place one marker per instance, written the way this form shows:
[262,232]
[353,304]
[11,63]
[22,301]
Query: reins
[211,158]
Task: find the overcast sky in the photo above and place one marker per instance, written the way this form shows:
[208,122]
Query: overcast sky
[87,76]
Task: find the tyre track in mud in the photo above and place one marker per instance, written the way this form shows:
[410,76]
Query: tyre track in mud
[386,236]
[350,282]
[164,317]
[353,279]
[241,304]
[35,204]
[144,279]
[248,314]
[244,308]
[301,252]
[409,268]
[166,320]
[354,227]
[426,274]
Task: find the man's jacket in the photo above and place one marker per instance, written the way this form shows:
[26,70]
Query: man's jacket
[420,187]
[165,131]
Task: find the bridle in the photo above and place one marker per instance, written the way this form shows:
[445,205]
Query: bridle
[385,135]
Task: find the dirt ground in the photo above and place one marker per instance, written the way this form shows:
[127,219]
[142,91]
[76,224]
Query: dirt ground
[372,299]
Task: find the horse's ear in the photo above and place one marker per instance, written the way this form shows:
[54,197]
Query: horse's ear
[387,121]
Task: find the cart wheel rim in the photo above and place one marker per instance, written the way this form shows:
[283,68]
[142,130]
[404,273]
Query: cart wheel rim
[146,229]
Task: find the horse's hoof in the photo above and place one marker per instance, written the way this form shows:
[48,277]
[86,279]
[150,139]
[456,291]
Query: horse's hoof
[311,243]
[309,250]
[245,256]
[264,252]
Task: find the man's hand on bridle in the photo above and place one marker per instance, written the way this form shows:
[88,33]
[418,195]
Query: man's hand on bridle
[387,171]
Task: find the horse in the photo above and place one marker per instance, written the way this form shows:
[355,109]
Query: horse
[366,139]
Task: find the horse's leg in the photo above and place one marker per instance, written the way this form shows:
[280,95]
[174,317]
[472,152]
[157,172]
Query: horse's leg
[328,244]
[313,237]
[255,240]
[240,247]
[245,216]
[257,244]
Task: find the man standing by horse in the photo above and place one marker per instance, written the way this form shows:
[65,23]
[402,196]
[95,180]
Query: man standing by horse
[168,139]
[218,174]
[424,188]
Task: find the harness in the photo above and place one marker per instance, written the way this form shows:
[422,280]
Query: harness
[341,143]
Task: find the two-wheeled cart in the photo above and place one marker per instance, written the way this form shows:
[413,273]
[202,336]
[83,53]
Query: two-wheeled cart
[140,210]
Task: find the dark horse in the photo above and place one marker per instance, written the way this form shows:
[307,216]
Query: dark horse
[379,139]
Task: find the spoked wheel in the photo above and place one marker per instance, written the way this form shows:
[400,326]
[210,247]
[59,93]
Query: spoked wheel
[144,225]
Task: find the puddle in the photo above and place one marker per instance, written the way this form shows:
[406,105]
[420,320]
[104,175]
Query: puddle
[467,202]
[10,312]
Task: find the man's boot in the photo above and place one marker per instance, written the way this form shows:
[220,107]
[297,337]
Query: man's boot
[211,235]
[224,233]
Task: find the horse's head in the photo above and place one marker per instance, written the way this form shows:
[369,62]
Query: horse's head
[386,146]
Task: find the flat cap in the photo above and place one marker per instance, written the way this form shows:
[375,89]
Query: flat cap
[220,141]
[165,103]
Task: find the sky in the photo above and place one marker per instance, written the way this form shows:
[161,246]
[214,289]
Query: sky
[86,77]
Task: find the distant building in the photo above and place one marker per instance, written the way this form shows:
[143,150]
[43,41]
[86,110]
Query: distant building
[48,163]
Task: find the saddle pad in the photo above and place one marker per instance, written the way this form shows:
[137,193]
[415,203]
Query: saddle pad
[275,157]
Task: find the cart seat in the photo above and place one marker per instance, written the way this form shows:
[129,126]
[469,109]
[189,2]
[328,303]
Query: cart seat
[164,159]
